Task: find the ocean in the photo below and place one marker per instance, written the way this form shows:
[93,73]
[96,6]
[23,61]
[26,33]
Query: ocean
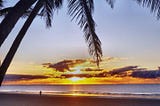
[145,90]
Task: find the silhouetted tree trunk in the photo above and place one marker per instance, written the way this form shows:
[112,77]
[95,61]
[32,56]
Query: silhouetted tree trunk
[12,17]
[17,41]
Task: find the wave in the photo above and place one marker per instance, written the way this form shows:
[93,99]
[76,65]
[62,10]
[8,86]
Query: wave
[88,93]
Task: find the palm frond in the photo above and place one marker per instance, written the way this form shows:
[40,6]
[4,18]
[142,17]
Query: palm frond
[1,3]
[82,10]
[48,9]
[111,3]
[58,3]
[154,6]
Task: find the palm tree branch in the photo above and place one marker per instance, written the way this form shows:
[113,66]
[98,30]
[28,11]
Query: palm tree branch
[1,3]
[17,41]
[154,6]
[48,8]
[111,3]
[82,10]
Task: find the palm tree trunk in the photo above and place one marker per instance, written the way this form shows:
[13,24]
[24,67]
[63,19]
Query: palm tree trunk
[12,17]
[17,41]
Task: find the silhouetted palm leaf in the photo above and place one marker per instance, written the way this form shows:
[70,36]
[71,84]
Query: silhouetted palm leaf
[48,8]
[18,39]
[111,3]
[1,3]
[8,23]
[82,10]
[154,6]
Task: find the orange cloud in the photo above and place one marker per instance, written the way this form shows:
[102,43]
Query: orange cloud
[17,77]
[86,69]
[65,65]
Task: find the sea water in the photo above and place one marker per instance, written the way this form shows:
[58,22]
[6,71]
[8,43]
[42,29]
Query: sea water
[149,90]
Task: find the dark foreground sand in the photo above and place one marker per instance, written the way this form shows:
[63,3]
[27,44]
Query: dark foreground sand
[10,99]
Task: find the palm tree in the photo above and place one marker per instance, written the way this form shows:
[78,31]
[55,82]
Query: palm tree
[154,6]
[47,11]
[111,3]
[1,3]
[86,22]
[18,10]
[12,17]
[17,41]
[80,9]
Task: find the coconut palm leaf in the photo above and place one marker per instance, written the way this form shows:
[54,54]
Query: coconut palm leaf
[17,41]
[12,18]
[82,10]
[1,3]
[154,6]
[48,8]
[111,3]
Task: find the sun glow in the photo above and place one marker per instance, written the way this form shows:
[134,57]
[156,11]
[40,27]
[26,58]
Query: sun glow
[75,79]
[77,71]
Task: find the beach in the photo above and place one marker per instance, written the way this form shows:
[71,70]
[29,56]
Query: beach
[17,99]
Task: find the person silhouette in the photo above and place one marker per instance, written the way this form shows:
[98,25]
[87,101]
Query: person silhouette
[40,93]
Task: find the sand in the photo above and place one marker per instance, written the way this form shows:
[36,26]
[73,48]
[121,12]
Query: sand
[14,99]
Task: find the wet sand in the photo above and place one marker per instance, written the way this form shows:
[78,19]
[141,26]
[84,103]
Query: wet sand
[14,99]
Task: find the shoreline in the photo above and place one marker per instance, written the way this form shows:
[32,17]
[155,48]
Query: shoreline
[25,99]
[87,94]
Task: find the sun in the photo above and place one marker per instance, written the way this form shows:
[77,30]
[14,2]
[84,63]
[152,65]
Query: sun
[75,79]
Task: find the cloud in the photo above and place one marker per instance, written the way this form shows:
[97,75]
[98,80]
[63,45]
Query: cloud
[61,66]
[100,73]
[111,59]
[17,77]
[134,72]
[146,74]
[70,65]
[119,75]
[121,72]
[89,70]
[123,69]
[92,69]
[76,75]
[65,65]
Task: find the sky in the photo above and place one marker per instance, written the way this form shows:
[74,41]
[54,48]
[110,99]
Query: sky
[129,34]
